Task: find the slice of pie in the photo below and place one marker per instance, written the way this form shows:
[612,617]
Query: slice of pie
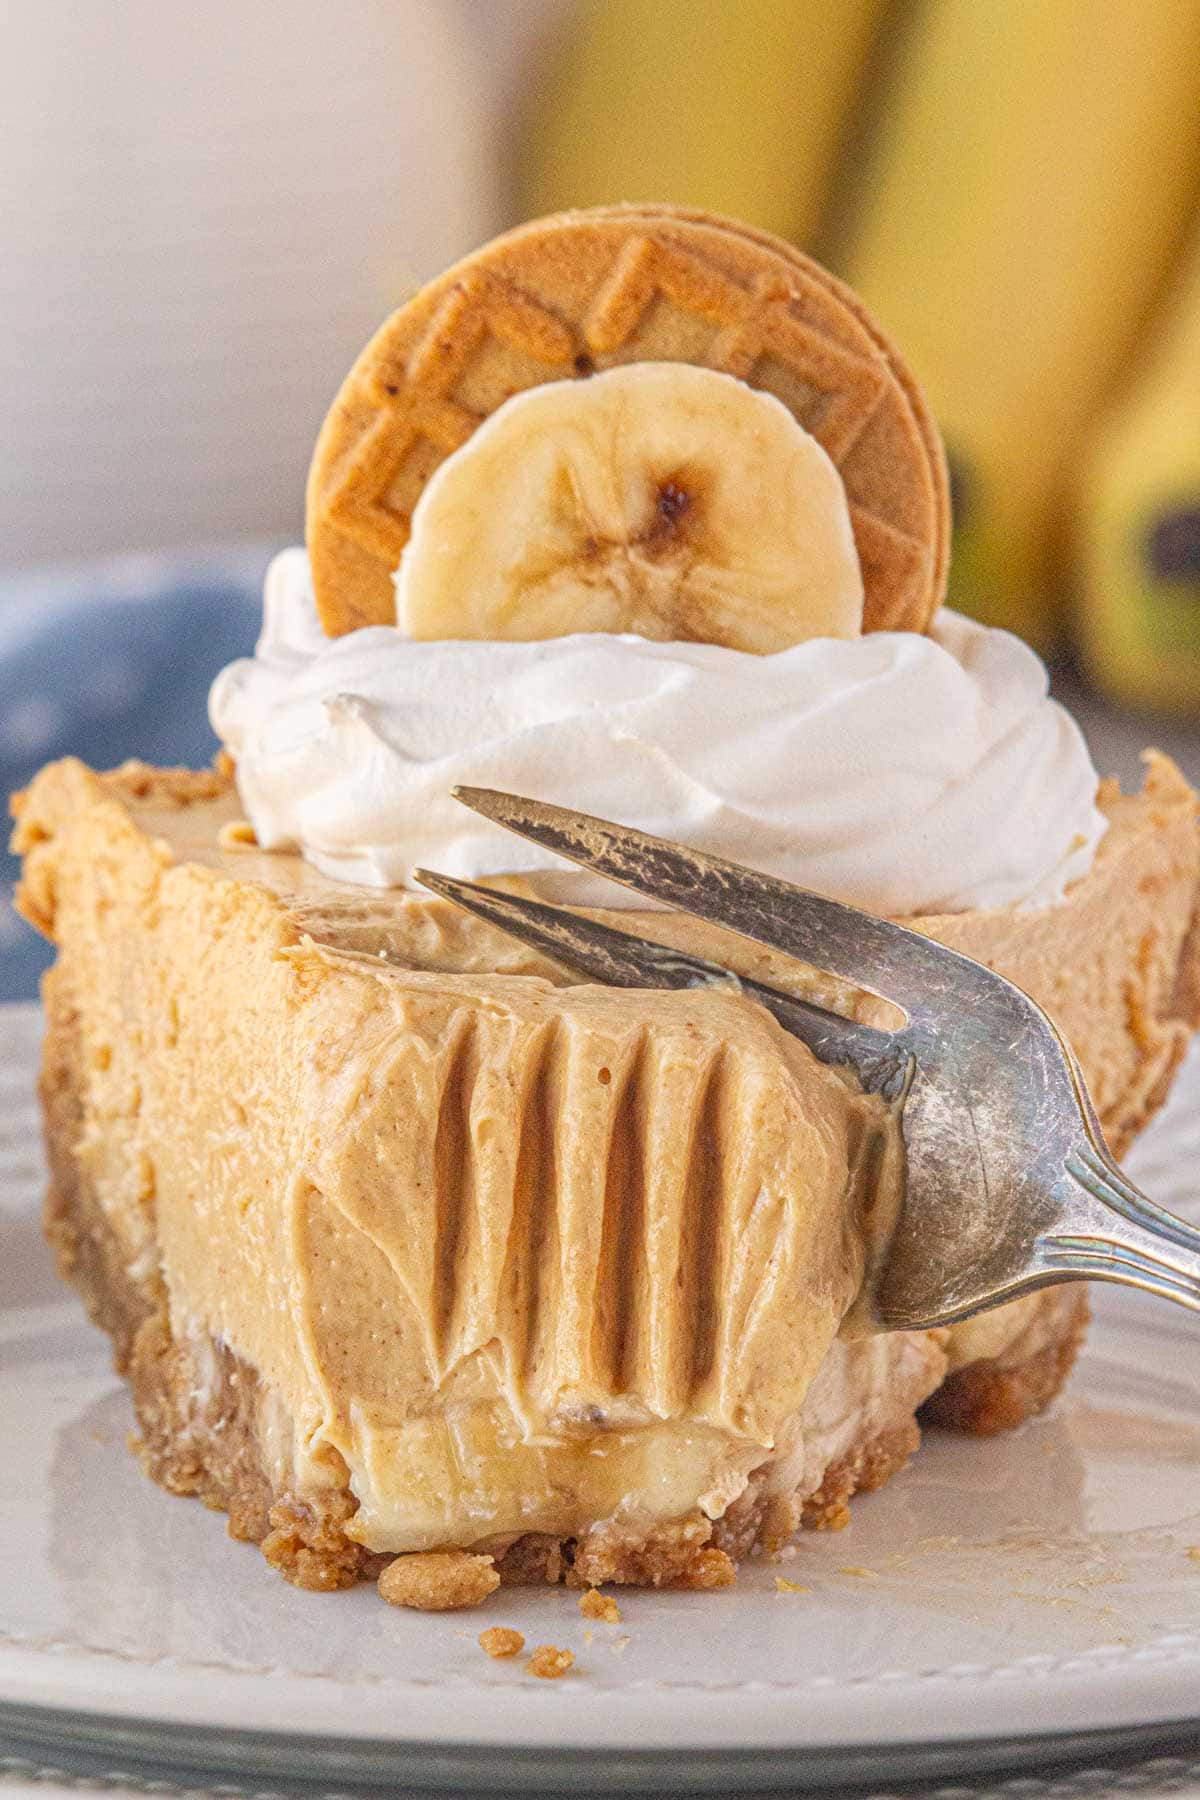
[407,1242]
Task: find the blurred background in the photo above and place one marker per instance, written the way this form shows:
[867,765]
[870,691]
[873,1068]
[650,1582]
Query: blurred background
[204,213]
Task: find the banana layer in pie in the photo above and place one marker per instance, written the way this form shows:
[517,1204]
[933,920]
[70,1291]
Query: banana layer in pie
[409,1243]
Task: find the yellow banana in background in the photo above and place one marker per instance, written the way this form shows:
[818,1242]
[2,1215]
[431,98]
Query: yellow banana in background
[734,105]
[1139,523]
[1030,180]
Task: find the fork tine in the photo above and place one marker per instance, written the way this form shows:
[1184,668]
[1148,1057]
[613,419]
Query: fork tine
[620,959]
[893,962]
[611,956]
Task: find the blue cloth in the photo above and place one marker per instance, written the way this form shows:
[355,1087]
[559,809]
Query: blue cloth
[110,661]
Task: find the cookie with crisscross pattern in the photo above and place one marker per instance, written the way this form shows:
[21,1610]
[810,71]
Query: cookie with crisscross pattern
[561,298]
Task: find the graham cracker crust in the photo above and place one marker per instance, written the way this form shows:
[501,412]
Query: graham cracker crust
[993,1395]
[199,1430]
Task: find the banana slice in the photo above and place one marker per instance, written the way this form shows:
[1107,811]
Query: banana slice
[662,499]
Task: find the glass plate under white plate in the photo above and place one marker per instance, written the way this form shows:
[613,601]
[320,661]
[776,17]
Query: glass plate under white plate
[998,1591]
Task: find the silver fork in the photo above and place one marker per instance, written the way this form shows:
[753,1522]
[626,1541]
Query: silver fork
[1010,1186]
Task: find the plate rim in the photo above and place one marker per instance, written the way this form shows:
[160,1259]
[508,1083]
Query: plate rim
[1157,1693]
[30,1732]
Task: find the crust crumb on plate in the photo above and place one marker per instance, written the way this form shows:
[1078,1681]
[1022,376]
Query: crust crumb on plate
[501,1640]
[439,1580]
[595,1605]
[549,1662]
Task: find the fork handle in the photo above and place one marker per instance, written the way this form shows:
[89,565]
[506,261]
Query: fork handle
[1113,1232]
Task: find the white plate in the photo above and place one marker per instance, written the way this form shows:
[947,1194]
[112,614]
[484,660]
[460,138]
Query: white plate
[1037,1583]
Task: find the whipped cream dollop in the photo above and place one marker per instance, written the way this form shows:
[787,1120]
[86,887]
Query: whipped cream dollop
[903,773]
